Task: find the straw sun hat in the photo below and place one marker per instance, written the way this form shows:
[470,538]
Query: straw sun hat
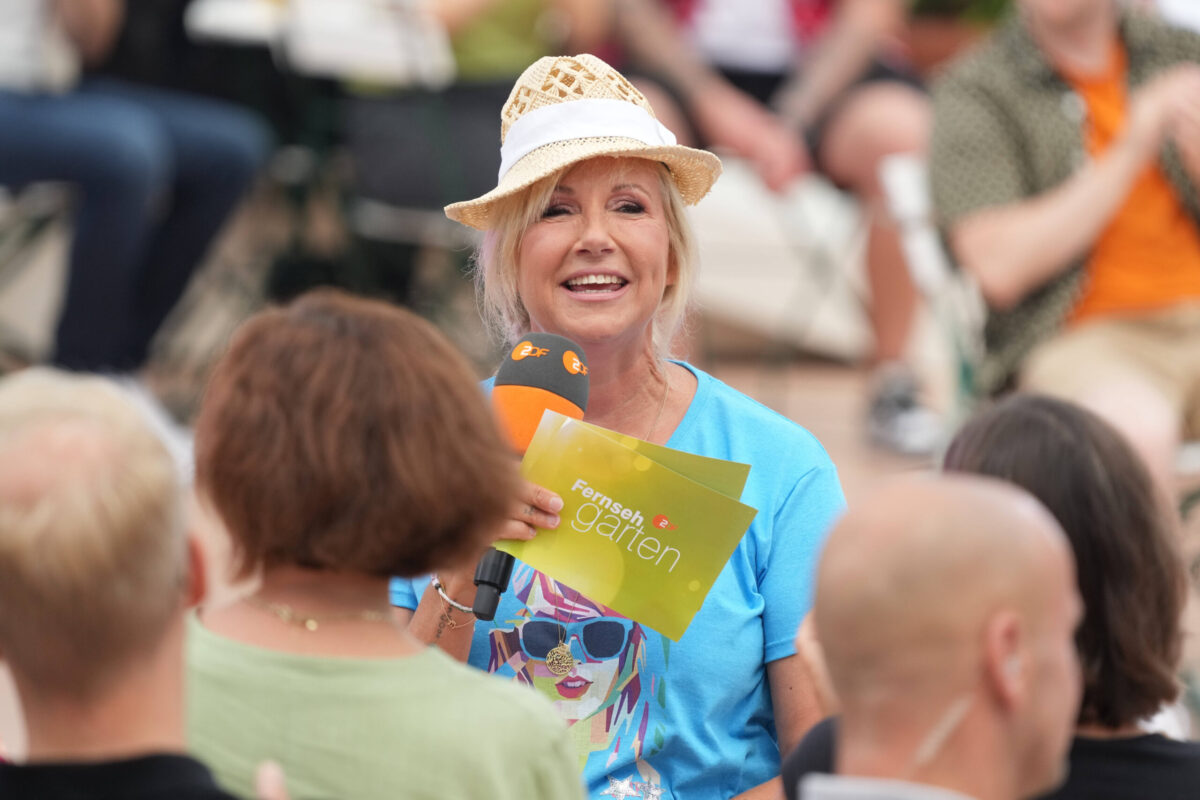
[567,109]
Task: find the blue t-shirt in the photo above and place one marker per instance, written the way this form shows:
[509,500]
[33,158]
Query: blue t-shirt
[690,720]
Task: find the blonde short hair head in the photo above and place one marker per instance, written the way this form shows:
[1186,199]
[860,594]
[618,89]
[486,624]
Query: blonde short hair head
[92,552]
[496,262]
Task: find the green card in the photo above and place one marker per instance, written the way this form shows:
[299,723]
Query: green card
[644,539]
[726,477]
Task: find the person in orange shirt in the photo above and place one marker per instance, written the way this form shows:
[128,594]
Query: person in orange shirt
[1065,162]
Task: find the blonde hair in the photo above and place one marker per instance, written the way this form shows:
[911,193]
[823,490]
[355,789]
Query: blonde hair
[92,551]
[496,262]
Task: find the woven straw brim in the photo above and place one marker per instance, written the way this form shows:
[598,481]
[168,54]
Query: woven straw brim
[693,171]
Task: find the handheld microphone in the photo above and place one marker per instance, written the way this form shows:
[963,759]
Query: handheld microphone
[543,371]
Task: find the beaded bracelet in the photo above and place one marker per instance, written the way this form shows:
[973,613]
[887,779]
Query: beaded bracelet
[441,590]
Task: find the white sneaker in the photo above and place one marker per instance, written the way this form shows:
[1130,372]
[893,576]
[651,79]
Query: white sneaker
[896,419]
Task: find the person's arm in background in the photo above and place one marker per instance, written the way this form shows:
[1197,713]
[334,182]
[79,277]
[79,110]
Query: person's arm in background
[1184,132]
[1014,248]
[725,116]
[859,30]
[454,14]
[92,25]
[587,24]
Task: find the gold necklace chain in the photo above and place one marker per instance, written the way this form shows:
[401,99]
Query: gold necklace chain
[312,622]
[560,660]
[661,407]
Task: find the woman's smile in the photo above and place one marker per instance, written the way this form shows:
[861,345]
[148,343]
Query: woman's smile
[595,283]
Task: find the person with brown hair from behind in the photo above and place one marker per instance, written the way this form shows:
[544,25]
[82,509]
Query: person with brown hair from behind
[951,646]
[96,576]
[342,441]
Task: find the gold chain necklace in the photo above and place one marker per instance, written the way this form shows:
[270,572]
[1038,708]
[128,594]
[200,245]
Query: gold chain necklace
[312,622]
[560,660]
[661,407]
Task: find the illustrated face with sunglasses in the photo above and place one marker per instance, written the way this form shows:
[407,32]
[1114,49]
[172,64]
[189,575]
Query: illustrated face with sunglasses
[602,645]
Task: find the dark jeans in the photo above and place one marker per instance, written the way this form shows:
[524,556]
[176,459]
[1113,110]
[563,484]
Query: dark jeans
[157,174]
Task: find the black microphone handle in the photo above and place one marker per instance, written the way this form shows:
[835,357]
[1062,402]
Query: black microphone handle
[491,580]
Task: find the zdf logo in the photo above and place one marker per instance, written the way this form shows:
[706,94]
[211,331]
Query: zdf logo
[573,364]
[526,349]
[661,522]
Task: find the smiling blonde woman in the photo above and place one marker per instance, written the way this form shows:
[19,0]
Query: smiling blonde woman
[587,237]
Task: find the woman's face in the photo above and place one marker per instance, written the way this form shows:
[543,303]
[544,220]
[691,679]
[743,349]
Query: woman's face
[594,267]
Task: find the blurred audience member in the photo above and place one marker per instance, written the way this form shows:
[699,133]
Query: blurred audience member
[426,148]
[1131,579]
[794,84]
[968,687]
[158,173]
[1065,160]
[96,574]
[342,441]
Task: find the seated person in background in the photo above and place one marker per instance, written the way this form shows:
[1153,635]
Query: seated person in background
[1065,161]
[158,173]
[342,441]
[794,84]
[96,574]
[423,148]
[950,646]
[1131,579]
[427,147]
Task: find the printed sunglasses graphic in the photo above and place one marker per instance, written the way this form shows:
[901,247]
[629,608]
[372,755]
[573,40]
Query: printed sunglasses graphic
[599,638]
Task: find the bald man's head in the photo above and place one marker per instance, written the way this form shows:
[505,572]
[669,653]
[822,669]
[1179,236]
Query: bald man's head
[949,587]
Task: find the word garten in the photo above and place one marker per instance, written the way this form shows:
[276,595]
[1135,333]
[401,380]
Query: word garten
[619,521]
[638,534]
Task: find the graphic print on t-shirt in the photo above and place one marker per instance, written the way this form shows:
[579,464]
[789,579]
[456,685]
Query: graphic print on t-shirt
[607,697]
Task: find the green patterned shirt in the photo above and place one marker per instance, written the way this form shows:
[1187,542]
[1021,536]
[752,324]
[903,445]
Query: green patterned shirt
[1007,127]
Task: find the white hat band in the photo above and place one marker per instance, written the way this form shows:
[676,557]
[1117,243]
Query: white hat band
[580,119]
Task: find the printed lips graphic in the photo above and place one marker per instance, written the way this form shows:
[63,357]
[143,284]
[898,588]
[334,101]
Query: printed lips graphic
[661,522]
[572,686]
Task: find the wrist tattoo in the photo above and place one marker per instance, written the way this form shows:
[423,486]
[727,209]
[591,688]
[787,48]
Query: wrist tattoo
[443,619]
